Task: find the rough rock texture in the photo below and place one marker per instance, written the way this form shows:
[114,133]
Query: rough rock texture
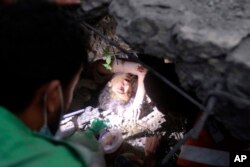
[94,8]
[133,131]
[208,40]
[107,27]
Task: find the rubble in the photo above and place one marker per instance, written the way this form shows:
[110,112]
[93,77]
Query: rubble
[94,9]
[207,40]
[134,131]
[197,34]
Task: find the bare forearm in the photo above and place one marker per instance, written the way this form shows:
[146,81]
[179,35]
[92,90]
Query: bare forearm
[121,66]
[140,91]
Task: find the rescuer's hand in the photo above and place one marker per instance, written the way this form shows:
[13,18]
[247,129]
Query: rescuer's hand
[151,145]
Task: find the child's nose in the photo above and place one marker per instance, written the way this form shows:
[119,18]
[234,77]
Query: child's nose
[126,88]
[125,82]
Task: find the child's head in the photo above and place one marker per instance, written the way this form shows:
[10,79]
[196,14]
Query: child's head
[118,91]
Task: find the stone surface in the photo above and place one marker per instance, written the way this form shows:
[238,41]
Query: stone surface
[106,26]
[93,9]
[208,40]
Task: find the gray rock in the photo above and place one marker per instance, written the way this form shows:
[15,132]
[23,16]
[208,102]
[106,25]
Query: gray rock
[207,40]
[95,8]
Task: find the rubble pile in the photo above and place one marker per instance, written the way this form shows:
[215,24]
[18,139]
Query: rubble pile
[207,40]
[134,131]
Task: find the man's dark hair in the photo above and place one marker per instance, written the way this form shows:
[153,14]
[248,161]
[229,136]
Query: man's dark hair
[39,42]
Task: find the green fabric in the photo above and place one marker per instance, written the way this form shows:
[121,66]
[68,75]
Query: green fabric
[22,147]
[93,152]
[97,125]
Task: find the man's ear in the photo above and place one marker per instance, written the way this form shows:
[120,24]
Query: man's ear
[53,96]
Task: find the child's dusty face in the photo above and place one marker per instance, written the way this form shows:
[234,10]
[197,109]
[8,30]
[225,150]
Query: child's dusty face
[121,86]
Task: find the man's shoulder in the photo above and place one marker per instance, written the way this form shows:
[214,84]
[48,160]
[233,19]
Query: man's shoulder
[22,147]
[38,151]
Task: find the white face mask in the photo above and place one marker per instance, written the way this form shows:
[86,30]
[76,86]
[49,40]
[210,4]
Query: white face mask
[45,131]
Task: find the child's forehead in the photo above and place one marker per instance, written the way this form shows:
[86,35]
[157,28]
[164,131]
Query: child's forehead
[119,76]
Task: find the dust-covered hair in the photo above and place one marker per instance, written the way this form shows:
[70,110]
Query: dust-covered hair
[108,102]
